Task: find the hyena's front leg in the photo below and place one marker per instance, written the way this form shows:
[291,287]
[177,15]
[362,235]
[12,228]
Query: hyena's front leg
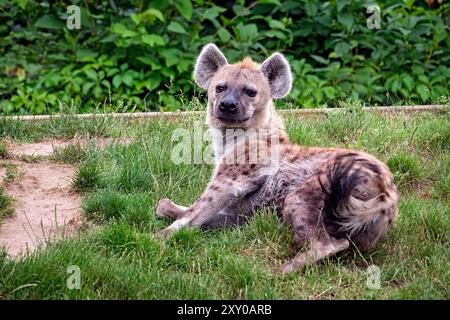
[228,216]
[166,208]
[231,183]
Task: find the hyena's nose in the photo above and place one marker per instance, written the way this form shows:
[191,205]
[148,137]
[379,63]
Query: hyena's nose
[228,106]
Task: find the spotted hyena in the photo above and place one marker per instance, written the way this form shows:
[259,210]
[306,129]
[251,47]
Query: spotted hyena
[331,197]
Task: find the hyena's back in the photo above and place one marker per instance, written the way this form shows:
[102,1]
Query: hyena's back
[353,192]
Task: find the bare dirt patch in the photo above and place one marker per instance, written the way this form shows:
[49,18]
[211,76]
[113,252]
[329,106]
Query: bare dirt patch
[45,206]
[46,148]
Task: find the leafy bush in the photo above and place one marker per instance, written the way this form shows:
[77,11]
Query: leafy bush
[141,53]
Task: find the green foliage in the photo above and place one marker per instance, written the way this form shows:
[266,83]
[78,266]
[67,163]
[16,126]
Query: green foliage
[141,53]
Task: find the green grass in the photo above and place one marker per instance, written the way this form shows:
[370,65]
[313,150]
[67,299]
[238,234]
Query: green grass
[3,150]
[6,209]
[123,260]
[11,172]
[72,153]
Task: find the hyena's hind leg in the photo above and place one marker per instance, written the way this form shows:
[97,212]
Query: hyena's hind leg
[302,210]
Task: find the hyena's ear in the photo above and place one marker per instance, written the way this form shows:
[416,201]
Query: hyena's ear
[208,62]
[276,69]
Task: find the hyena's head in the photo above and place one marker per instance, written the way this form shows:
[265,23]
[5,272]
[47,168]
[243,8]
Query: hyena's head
[240,95]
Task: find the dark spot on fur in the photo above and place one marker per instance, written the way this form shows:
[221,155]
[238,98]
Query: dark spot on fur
[310,221]
[373,167]
[342,157]
[245,172]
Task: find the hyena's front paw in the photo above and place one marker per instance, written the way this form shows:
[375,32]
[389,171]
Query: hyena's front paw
[165,208]
[164,233]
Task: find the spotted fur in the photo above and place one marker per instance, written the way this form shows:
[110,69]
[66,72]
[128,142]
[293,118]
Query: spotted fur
[330,197]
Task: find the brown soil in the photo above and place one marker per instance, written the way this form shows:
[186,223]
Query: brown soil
[45,207]
[46,148]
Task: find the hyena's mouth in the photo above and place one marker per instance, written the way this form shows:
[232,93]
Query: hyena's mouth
[232,120]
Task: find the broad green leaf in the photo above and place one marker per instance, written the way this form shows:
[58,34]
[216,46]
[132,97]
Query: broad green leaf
[154,13]
[22,3]
[87,86]
[423,92]
[136,18]
[117,80]
[176,27]
[247,32]
[91,74]
[152,82]
[423,78]
[184,65]
[49,22]
[112,72]
[342,3]
[171,56]
[85,18]
[275,34]
[346,18]
[311,9]
[152,40]
[319,59]
[106,83]
[275,2]
[276,24]
[122,30]
[224,35]
[342,49]
[213,12]
[185,8]
[84,54]
[408,81]
[127,78]
[396,85]
[146,60]
[330,92]
[404,92]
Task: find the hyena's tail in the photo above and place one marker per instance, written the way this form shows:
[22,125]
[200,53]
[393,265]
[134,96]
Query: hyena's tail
[360,199]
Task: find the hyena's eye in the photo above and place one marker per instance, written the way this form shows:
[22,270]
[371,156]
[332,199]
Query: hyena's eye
[220,89]
[250,92]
